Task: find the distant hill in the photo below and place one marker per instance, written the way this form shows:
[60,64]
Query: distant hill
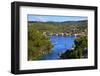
[81,21]
[66,26]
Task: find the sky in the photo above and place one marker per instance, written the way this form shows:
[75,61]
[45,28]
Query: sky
[45,18]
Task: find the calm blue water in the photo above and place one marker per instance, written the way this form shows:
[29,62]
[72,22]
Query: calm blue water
[61,44]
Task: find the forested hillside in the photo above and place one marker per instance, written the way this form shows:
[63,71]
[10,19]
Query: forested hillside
[70,27]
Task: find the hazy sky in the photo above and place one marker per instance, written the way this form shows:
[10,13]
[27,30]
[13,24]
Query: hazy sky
[45,18]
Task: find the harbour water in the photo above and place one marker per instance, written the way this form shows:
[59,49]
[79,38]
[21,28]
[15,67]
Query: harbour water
[60,44]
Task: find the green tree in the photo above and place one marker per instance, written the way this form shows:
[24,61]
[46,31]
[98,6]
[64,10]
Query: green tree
[38,44]
[78,51]
[80,45]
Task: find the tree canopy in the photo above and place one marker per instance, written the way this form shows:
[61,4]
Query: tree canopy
[38,44]
[79,51]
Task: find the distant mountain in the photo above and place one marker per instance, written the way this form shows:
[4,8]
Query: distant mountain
[74,21]
[82,22]
[63,23]
[66,26]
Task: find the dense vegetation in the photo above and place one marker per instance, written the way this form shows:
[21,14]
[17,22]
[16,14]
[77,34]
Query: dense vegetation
[38,44]
[71,27]
[79,51]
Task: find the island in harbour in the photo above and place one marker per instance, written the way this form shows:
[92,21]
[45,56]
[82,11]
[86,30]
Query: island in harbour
[57,37]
